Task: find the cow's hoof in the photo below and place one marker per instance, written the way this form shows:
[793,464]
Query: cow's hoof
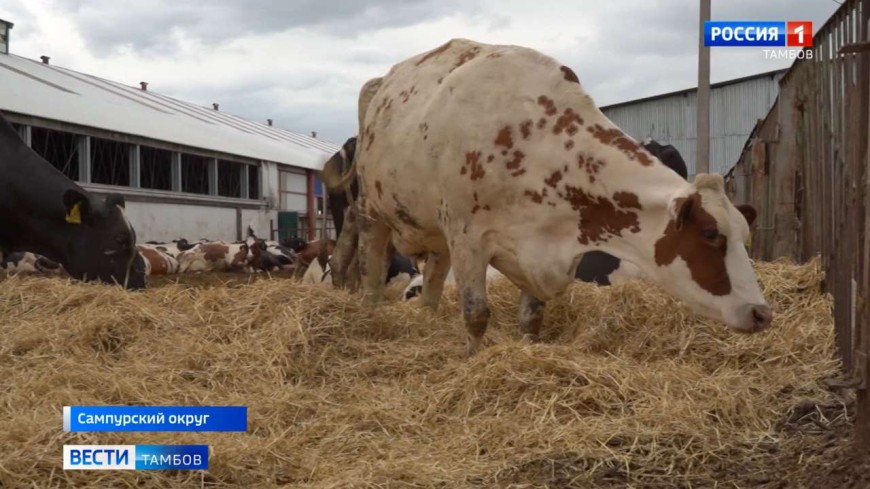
[472,346]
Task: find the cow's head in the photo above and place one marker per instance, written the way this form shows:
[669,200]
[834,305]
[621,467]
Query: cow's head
[103,244]
[701,256]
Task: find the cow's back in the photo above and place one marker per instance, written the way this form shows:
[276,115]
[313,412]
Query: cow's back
[474,139]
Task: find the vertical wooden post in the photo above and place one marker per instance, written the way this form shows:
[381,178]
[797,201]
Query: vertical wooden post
[862,360]
[702,157]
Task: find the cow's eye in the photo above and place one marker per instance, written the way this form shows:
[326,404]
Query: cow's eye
[711,234]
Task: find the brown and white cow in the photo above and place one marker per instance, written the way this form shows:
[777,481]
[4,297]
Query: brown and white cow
[158,261]
[483,154]
[216,256]
[308,251]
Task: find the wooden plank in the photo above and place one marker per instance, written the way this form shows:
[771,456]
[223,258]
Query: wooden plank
[862,421]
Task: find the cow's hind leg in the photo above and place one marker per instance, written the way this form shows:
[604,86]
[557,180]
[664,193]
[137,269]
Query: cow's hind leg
[437,268]
[469,268]
[374,241]
[531,316]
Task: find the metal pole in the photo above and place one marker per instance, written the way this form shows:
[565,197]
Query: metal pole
[702,158]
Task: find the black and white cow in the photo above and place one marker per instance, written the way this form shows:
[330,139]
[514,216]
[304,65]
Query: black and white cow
[44,212]
[27,262]
[401,268]
[604,269]
[269,256]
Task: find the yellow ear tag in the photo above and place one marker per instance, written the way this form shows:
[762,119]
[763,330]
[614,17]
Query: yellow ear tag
[74,216]
[749,241]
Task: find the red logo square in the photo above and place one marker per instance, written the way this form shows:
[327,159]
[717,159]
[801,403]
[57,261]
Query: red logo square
[799,34]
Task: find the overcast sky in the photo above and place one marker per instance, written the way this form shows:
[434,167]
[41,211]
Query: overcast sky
[302,62]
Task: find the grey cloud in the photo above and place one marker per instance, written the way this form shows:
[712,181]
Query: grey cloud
[153,27]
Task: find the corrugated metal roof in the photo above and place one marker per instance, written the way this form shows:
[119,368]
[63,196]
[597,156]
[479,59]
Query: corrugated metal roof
[735,107]
[52,92]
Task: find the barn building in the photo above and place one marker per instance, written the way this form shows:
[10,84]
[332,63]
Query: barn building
[735,107]
[185,170]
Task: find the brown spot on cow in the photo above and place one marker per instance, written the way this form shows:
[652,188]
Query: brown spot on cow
[554,179]
[589,164]
[155,259]
[567,122]
[548,105]
[526,129]
[494,55]
[551,204]
[599,219]
[618,139]
[685,237]
[518,172]
[505,138]
[404,215]
[472,161]
[490,158]
[536,196]
[240,259]
[465,57]
[379,188]
[434,52]
[569,145]
[569,74]
[405,95]
[516,161]
[370,138]
[627,200]
[214,252]
[542,123]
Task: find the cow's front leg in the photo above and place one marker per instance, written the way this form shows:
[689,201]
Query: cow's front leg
[374,241]
[531,317]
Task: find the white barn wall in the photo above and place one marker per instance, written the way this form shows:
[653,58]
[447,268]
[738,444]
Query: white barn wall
[165,222]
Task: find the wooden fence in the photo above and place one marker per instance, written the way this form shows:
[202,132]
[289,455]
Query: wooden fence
[805,168]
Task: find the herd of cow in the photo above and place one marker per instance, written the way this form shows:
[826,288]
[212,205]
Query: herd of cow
[482,159]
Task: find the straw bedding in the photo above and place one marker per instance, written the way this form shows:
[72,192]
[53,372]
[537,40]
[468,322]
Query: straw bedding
[629,389]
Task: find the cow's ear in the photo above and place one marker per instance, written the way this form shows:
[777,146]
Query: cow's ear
[682,208]
[77,206]
[748,212]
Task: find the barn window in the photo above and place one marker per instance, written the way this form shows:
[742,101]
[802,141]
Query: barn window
[229,178]
[253,182]
[155,168]
[58,148]
[293,189]
[194,174]
[110,162]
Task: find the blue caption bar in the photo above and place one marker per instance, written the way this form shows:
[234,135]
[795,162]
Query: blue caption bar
[155,418]
[135,457]
[743,33]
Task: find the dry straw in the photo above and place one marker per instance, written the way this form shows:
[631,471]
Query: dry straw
[629,388]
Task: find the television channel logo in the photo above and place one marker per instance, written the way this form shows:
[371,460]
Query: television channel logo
[795,34]
[135,457]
